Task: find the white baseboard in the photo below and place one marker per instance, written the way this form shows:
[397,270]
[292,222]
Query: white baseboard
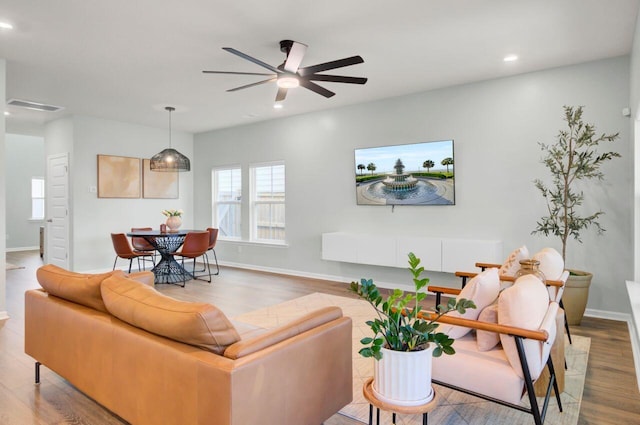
[3,316]
[23,248]
[610,315]
[299,273]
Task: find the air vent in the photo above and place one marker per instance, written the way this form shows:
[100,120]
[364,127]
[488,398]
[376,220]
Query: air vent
[34,105]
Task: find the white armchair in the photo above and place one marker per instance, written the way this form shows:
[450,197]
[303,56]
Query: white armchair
[551,265]
[504,373]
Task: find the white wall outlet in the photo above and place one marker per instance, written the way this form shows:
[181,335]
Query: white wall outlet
[93,189]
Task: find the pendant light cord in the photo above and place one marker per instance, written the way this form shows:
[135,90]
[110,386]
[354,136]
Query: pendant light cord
[170,109]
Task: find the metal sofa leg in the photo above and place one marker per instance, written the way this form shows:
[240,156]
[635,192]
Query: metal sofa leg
[37,372]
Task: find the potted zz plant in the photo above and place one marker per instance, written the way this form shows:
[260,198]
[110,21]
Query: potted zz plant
[403,341]
[572,158]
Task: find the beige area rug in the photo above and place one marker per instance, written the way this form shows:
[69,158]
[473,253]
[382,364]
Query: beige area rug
[455,407]
[13,266]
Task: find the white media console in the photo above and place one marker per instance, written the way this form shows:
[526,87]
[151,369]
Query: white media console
[437,254]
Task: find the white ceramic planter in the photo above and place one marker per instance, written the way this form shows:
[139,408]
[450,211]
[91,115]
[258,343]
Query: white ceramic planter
[403,378]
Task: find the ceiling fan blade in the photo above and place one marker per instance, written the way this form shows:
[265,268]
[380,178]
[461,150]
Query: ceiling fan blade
[294,57]
[236,73]
[353,60]
[282,93]
[316,88]
[252,59]
[336,79]
[253,84]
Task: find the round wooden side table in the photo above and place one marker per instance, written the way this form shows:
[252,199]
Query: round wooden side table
[424,409]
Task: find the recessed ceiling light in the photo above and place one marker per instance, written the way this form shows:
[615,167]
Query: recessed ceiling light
[6,113]
[277,105]
[6,26]
[510,58]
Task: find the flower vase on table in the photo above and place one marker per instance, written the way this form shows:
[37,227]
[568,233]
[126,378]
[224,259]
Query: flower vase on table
[174,220]
[174,223]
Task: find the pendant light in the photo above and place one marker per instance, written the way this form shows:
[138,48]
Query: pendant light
[170,159]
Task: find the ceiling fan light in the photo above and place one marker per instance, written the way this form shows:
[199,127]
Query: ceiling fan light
[288,82]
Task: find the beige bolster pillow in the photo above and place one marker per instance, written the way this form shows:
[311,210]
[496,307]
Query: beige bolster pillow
[289,330]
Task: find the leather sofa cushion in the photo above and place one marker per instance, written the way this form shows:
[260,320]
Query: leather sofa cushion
[79,288]
[198,324]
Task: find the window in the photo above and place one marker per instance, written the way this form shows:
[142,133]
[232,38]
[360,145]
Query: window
[37,198]
[268,202]
[227,198]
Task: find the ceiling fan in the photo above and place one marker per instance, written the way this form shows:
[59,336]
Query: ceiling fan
[289,74]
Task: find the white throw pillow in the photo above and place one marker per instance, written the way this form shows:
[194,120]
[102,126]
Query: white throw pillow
[486,340]
[523,305]
[483,289]
[512,263]
[551,263]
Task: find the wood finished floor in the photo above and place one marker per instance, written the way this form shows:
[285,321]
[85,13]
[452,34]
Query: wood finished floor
[610,396]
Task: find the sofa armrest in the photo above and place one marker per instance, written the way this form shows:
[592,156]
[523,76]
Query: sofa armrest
[312,320]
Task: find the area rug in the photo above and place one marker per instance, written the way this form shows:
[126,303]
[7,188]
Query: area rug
[454,408]
[13,266]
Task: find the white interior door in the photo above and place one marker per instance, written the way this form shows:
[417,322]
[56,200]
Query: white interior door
[57,195]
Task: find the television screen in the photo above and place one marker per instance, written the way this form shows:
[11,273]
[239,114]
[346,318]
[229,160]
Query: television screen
[411,174]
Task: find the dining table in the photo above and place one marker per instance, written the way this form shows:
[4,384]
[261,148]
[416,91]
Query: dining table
[167,270]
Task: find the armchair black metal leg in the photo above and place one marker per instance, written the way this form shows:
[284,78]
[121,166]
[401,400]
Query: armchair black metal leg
[130,262]
[464,281]
[38,372]
[114,263]
[566,323]
[552,373]
[535,411]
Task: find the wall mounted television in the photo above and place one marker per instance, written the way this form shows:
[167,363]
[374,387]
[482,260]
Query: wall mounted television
[409,174]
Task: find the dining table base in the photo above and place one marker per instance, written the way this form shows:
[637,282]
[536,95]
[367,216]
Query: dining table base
[167,270]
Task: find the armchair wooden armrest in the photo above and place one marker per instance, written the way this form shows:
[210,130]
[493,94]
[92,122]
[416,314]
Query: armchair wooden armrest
[539,335]
[439,290]
[504,278]
[484,266]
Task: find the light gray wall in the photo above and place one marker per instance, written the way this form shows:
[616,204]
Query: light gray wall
[93,218]
[25,160]
[496,126]
[3,228]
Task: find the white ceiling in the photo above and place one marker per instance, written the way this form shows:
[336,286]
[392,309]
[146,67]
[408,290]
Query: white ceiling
[127,59]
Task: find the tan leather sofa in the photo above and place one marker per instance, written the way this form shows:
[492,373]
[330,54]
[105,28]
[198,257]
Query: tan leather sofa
[297,374]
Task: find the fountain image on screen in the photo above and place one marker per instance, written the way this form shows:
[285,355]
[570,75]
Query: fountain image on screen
[410,174]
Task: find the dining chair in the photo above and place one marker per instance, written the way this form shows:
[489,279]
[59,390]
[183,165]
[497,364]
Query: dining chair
[213,238]
[195,245]
[123,250]
[141,244]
